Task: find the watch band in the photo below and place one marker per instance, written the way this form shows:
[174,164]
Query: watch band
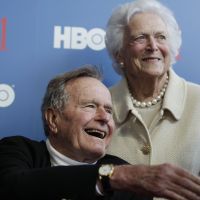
[106,185]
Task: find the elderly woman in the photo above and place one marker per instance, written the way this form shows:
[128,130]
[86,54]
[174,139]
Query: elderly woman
[157,113]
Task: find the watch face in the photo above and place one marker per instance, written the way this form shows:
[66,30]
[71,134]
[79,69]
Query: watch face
[105,170]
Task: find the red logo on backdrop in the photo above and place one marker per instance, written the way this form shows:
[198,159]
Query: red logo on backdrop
[178,57]
[3,22]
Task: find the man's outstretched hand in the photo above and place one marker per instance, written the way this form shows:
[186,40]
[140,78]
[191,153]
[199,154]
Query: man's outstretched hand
[165,180]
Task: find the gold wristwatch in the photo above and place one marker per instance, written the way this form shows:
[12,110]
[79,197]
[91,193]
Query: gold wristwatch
[105,172]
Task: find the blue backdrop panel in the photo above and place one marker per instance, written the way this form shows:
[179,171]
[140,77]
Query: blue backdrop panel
[40,39]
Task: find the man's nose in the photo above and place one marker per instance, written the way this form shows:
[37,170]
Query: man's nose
[103,115]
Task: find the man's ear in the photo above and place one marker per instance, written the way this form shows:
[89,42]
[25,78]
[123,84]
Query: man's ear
[51,117]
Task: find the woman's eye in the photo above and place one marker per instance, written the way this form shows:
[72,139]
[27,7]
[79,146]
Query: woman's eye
[140,39]
[161,37]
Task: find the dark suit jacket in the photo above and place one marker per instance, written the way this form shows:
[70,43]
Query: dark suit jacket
[26,174]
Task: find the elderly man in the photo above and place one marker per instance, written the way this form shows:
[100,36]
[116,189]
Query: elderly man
[71,164]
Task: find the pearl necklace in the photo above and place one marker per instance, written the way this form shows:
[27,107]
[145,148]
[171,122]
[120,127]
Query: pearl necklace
[154,101]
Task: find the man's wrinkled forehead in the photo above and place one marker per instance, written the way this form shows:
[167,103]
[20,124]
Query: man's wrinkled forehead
[89,88]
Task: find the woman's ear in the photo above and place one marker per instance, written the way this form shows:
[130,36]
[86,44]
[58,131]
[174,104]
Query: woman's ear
[119,58]
[51,117]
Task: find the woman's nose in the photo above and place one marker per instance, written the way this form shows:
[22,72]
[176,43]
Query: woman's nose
[152,44]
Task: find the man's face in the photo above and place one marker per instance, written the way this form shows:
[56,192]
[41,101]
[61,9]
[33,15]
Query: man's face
[85,126]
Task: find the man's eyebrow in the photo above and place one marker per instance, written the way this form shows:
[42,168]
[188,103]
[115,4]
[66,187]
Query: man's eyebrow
[84,101]
[88,101]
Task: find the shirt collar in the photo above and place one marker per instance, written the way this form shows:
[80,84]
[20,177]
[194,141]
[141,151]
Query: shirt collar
[122,103]
[174,98]
[57,159]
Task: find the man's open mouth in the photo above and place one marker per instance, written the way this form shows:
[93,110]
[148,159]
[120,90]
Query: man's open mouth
[96,133]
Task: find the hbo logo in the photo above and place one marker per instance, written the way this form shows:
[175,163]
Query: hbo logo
[7,95]
[79,38]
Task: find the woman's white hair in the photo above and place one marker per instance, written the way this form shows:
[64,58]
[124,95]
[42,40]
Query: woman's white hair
[121,17]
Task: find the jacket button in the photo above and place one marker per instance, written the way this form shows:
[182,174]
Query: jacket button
[146,149]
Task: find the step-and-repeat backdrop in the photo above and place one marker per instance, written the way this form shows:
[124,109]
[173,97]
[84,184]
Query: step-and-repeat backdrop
[42,38]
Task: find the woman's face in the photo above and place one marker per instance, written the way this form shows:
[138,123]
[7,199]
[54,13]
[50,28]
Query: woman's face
[146,46]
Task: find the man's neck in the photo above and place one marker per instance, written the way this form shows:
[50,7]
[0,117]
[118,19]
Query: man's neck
[58,159]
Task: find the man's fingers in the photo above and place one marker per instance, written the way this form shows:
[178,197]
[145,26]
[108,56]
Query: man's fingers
[183,173]
[179,183]
[173,182]
[189,184]
[185,193]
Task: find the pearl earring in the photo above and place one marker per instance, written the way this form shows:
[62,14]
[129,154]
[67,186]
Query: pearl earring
[121,64]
